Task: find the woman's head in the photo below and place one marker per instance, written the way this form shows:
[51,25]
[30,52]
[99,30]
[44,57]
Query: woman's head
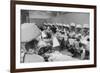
[41,28]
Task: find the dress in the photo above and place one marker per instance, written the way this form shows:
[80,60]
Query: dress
[29,58]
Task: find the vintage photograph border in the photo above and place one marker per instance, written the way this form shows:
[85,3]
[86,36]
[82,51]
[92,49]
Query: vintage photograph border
[13,35]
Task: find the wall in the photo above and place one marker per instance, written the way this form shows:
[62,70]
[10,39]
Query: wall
[5,37]
[78,18]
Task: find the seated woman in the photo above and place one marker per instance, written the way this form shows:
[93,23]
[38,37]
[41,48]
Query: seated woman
[30,55]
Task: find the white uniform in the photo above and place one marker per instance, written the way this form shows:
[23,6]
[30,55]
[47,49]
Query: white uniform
[72,34]
[42,43]
[85,42]
[43,34]
[55,42]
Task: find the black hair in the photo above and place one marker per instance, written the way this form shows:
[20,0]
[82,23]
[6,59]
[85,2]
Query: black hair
[88,39]
[41,28]
[78,39]
[48,35]
[54,29]
[30,45]
[44,50]
[80,44]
